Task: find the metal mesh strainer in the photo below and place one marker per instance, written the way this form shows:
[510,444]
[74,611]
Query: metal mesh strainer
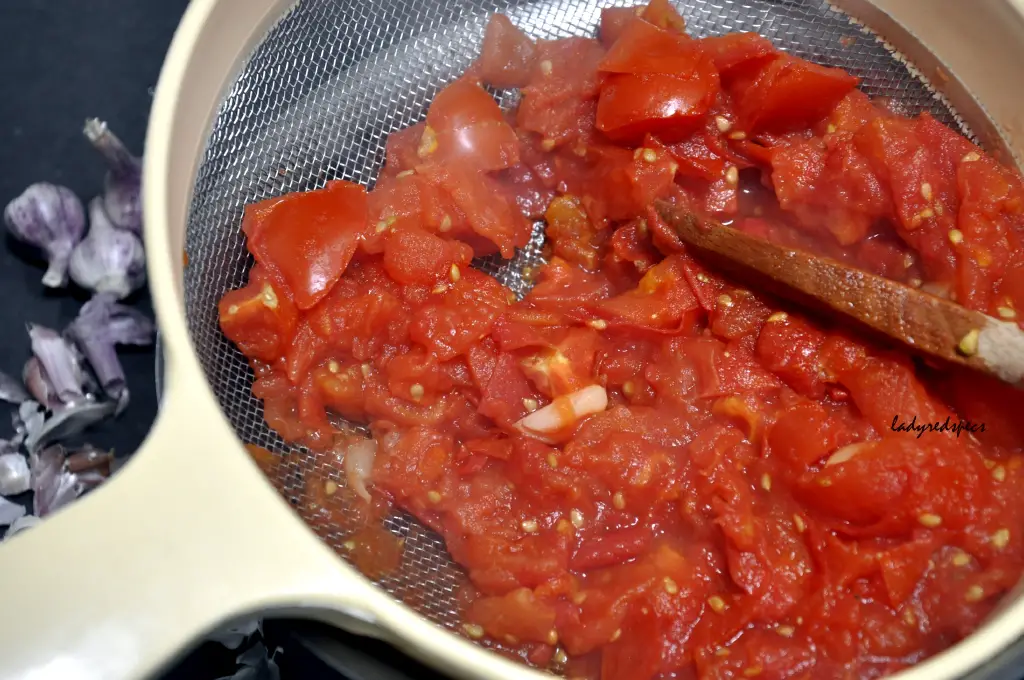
[316,101]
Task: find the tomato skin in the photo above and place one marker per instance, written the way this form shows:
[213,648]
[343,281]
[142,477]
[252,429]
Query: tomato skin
[733,53]
[662,301]
[643,48]
[507,56]
[469,129]
[667,106]
[664,15]
[614,21]
[790,92]
[258,320]
[306,240]
[558,105]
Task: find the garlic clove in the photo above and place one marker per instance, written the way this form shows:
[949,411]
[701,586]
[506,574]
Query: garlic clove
[14,474]
[51,218]
[122,199]
[108,260]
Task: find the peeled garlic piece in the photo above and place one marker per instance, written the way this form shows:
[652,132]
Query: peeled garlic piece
[566,410]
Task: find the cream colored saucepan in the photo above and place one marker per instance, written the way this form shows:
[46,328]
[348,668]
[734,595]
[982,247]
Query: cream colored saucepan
[258,97]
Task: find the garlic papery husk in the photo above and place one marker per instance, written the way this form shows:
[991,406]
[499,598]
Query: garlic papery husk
[102,324]
[59,365]
[52,484]
[11,390]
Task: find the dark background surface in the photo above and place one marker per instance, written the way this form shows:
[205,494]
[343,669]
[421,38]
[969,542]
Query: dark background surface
[62,61]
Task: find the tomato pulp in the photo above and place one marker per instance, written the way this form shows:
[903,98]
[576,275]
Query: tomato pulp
[647,469]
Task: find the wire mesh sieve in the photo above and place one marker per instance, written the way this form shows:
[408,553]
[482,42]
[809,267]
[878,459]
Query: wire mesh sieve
[316,100]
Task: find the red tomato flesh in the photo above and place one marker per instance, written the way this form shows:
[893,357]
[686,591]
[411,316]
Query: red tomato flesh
[761,494]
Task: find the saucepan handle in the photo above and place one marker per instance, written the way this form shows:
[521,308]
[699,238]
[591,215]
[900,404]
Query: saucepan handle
[187,537]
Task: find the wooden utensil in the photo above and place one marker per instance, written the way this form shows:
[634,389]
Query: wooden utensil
[924,322]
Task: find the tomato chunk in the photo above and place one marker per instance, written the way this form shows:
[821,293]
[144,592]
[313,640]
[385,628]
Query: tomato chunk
[507,55]
[466,126]
[665,105]
[257,319]
[648,466]
[305,241]
[790,92]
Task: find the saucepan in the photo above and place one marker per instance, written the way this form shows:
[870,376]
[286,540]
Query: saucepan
[258,97]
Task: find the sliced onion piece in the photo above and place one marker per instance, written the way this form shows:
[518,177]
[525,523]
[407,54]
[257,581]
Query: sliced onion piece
[359,457]
[565,411]
[848,452]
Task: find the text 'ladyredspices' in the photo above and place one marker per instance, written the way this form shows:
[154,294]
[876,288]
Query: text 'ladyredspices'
[938,426]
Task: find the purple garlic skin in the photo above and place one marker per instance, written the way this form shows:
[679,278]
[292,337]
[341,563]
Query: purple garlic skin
[38,384]
[108,260]
[51,218]
[122,199]
[102,324]
[53,485]
[11,390]
[59,364]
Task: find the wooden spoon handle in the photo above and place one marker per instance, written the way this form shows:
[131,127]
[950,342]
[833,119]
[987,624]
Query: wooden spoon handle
[927,323]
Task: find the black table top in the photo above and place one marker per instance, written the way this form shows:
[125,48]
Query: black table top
[63,62]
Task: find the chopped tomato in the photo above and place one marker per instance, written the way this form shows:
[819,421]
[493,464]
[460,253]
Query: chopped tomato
[306,240]
[489,216]
[662,14]
[665,105]
[790,92]
[416,256]
[558,103]
[507,55]
[614,21]
[642,464]
[257,319]
[574,237]
[661,301]
[466,126]
[644,48]
[735,53]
